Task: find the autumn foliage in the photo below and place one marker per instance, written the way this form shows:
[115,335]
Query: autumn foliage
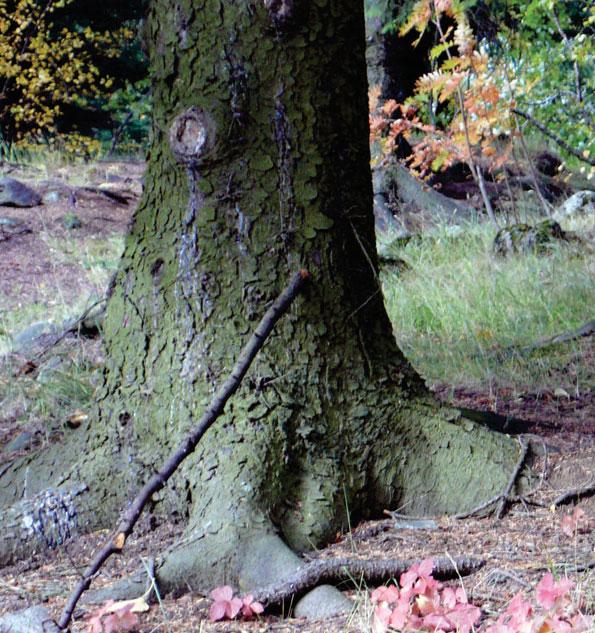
[45,67]
[463,110]
[421,603]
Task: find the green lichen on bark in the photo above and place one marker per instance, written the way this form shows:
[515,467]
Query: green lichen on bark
[331,419]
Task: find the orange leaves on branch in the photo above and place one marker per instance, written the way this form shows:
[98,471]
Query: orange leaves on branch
[475,123]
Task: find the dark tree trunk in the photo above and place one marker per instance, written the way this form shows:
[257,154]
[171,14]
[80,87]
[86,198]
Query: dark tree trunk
[265,107]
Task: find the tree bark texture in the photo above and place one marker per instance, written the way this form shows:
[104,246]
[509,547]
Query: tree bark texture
[259,166]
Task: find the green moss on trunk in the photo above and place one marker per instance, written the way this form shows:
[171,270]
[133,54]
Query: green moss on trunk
[331,416]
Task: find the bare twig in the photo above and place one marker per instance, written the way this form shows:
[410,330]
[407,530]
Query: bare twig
[72,327]
[561,142]
[373,571]
[568,44]
[115,543]
[575,494]
[546,206]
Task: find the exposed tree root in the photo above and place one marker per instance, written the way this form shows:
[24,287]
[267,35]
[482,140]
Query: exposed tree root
[372,571]
[575,494]
[505,497]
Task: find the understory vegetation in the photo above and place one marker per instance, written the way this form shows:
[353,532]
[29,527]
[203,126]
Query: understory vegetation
[463,316]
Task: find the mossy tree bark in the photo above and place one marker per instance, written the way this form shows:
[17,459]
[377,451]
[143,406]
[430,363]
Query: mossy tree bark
[265,107]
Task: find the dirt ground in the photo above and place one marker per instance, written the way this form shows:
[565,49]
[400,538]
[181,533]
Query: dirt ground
[517,549]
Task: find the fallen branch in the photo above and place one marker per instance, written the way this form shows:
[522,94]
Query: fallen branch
[585,330]
[561,142]
[575,494]
[372,571]
[115,543]
[571,335]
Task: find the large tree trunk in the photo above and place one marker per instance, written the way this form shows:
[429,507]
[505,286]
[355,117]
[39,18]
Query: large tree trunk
[265,107]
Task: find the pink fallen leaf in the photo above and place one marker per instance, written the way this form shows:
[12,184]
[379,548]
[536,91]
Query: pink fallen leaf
[113,617]
[434,621]
[464,617]
[250,607]
[224,593]
[570,523]
[550,593]
[380,619]
[217,611]
[224,606]
[388,594]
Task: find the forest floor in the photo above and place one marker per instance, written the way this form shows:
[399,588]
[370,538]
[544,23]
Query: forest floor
[50,271]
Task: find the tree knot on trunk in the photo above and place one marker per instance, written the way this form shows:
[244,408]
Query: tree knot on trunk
[282,13]
[192,137]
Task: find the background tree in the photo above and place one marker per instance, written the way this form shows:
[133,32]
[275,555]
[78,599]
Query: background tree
[259,165]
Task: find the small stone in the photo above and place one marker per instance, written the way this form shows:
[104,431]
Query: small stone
[48,370]
[322,602]
[52,196]
[14,193]
[10,222]
[581,203]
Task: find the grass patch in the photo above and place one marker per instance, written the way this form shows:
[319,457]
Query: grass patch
[42,401]
[458,304]
[95,260]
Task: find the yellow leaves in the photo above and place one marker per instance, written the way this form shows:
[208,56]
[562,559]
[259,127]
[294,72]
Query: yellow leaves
[421,14]
[40,72]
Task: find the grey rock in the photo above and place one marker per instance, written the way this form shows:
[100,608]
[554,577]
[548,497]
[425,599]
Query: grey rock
[20,443]
[580,203]
[26,338]
[322,602]
[524,238]
[49,369]
[10,223]
[52,196]
[33,620]
[14,193]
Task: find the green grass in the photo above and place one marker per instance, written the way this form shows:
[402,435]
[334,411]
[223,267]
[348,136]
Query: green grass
[458,304]
[96,259]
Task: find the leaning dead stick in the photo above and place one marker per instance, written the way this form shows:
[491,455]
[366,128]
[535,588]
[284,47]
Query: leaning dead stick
[128,519]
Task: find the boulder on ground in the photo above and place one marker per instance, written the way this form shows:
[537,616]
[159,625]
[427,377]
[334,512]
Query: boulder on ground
[524,238]
[14,193]
[581,203]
